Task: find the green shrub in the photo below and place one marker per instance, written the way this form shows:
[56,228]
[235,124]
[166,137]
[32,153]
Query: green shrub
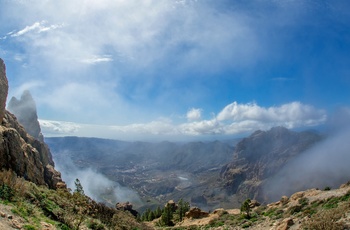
[29,227]
[94,225]
[6,192]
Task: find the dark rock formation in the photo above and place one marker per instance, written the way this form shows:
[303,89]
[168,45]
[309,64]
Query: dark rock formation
[3,89]
[260,156]
[196,213]
[127,206]
[25,111]
[27,156]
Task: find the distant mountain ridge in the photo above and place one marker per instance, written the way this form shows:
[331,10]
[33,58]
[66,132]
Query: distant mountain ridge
[260,156]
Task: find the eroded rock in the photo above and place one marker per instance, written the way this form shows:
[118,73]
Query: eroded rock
[3,89]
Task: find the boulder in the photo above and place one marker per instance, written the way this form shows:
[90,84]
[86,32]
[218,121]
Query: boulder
[172,205]
[127,206]
[196,213]
[286,223]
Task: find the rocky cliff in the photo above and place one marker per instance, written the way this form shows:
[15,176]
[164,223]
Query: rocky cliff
[25,111]
[260,156]
[20,152]
[3,89]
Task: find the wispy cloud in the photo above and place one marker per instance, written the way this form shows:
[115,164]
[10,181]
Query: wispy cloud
[37,27]
[97,59]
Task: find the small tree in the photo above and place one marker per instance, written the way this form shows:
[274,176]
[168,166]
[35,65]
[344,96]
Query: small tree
[183,207]
[167,216]
[78,187]
[245,207]
[158,212]
[151,216]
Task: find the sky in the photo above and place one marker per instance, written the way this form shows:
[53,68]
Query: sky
[177,69]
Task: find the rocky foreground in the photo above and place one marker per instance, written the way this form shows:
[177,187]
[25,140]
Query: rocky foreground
[310,209]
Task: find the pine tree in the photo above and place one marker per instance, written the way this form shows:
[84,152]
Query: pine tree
[158,212]
[78,187]
[167,216]
[183,207]
[245,207]
[151,216]
[145,215]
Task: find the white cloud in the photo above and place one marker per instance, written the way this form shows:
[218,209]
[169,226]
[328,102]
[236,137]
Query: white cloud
[194,114]
[96,59]
[57,128]
[234,119]
[293,113]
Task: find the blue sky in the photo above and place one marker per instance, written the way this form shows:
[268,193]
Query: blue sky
[178,68]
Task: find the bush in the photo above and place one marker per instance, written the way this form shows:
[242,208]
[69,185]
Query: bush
[6,193]
[94,225]
[29,227]
[325,220]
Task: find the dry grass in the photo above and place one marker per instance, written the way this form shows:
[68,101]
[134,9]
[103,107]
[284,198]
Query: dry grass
[61,208]
[330,219]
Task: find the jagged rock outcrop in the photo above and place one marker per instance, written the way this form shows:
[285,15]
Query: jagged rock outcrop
[127,206]
[260,156]
[196,213]
[25,111]
[27,156]
[3,89]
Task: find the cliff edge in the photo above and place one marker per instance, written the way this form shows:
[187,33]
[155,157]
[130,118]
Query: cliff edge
[20,152]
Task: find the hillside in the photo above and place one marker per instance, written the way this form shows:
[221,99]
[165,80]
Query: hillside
[311,209]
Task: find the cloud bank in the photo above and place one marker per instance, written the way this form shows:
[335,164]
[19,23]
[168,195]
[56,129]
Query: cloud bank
[234,119]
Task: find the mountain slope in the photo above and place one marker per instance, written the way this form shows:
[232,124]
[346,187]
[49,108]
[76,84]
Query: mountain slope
[260,156]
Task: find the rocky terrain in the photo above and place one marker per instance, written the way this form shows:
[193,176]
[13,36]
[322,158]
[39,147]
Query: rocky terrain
[27,156]
[310,209]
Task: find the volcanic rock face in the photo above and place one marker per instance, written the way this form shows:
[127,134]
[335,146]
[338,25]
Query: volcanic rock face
[260,156]
[3,89]
[25,111]
[27,156]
